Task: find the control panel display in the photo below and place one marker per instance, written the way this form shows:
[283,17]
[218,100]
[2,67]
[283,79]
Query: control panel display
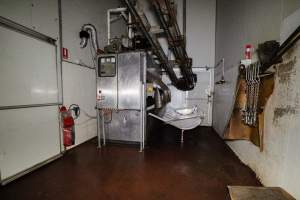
[107,66]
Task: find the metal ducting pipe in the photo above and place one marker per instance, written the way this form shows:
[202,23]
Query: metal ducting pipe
[158,99]
[184,83]
[166,93]
[176,41]
[89,31]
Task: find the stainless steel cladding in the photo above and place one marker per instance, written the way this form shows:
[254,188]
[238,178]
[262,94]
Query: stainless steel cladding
[121,94]
[124,126]
[120,80]
[107,82]
[130,79]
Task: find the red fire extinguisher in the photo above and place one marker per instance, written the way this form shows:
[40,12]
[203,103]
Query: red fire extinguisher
[248,51]
[67,125]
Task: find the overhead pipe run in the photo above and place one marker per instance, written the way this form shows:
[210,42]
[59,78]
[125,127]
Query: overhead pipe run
[184,83]
[121,11]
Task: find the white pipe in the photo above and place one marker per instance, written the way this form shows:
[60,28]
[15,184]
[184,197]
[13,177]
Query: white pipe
[223,67]
[124,15]
[108,27]
[130,32]
[109,12]
[117,10]
[112,20]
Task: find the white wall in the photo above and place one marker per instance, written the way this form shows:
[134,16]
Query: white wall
[76,13]
[82,92]
[39,15]
[29,136]
[241,22]
[79,83]
[200,44]
[278,164]
[200,27]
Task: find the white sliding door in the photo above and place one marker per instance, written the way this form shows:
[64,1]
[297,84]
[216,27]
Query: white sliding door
[29,124]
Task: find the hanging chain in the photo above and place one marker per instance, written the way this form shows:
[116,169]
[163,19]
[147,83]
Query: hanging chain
[252,94]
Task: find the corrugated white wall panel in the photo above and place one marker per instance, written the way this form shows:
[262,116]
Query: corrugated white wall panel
[39,15]
[27,137]
[28,76]
[28,70]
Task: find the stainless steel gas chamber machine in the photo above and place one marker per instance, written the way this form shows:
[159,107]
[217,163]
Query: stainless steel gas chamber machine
[121,97]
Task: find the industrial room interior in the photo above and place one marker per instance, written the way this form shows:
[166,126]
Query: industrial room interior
[149,99]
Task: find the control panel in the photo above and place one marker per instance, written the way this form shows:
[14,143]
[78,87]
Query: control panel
[107,66]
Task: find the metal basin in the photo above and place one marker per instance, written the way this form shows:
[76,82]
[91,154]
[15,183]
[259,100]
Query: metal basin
[186,111]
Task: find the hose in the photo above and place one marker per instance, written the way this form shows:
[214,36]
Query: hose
[89,31]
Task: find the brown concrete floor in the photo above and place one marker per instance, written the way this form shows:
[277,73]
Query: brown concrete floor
[201,170]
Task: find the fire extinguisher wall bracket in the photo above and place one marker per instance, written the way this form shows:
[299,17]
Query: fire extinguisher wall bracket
[74,108]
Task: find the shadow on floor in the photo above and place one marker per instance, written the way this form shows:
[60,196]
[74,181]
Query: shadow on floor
[200,169]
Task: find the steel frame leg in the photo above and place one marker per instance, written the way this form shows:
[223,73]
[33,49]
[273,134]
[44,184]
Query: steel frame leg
[98,128]
[103,128]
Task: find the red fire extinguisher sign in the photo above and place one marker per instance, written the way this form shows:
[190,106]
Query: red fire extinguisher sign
[248,51]
[65,53]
